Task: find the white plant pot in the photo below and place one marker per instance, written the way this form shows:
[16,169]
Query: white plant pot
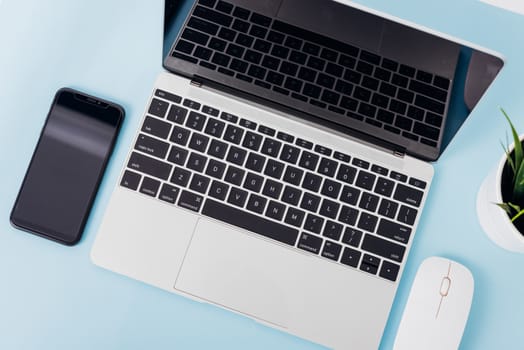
[494,221]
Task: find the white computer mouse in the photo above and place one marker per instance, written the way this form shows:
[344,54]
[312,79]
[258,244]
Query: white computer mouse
[437,308]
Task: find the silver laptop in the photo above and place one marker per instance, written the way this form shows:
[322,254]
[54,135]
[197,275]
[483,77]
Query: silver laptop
[276,172]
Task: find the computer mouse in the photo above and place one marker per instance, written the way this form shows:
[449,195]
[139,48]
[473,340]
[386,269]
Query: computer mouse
[437,308]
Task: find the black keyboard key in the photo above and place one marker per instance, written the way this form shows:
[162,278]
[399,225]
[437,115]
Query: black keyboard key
[217,45]
[214,127]
[266,130]
[332,230]
[236,155]
[244,40]
[372,269]
[388,208]
[158,108]
[428,90]
[199,142]
[217,149]
[310,243]
[348,215]
[352,237]
[331,250]
[275,78]
[203,26]
[233,134]
[379,170]
[156,127]
[426,131]
[330,97]
[367,222]
[334,69]
[149,166]
[344,87]
[350,195]
[407,71]
[384,187]
[288,68]
[185,46]
[348,103]
[289,154]
[325,81]
[274,169]
[329,209]
[257,72]
[258,31]
[199,183]
[227,34]
[220,59]
[293,84]
[362,94]
[241,13]
[307,74]
[313,223]
[248,124]
[364,67]
[350,257]
[237,197]
[169,193]
[342,156]
[253,182]
[225,7]
[328,167]
[168,96]
[260,19]
[346,173]
[180,177]
[407,215]
[196,37]
[196,162]
[271,147]
[382,74]
[275,37]
[241,26]
[242,219]
[255,162]
[329,54]
[191,201]
[311,90]
[393,230]
[331,188]
[399,177]
[424,76]
[218,190]
[312,182]
[262,45]
[253,56]
[431,118]
[237,51]
[316,63]
[291,195]
[347,61]
[429,104]
[256,204]
[441,82]
[403,123]
[294,217]
[370,83]
[371,260]
[215,168]
[177,114]
[151,146]
[203,53]
[130,180]
[196,121]
[365,180]
[368,111]
[309,160]
[275,210]
[389,271]
[408,195]
[234,175]
[417,183]
[213,16]
[360,163]
[239,66]
[383,248]
[252,141]
[310,202]
[368,201]
[272,189]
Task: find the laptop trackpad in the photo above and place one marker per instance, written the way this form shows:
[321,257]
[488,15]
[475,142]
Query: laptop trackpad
[238,271]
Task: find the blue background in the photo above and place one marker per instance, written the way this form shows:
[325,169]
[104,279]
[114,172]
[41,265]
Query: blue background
[53,297]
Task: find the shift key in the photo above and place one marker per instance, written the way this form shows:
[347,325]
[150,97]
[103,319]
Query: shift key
[149,166]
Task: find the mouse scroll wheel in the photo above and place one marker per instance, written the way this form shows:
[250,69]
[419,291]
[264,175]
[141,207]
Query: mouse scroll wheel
[444,286]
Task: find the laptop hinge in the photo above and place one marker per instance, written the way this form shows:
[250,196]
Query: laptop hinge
[195,82]
[398,153]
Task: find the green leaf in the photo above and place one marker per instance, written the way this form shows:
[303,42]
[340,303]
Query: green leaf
[509,160]
[518,187]
[505,207]
[514,206]
[519,214]
[518,146]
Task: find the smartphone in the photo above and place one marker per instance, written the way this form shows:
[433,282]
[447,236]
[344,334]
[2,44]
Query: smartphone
[67,165]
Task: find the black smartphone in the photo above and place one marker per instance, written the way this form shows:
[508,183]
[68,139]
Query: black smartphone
[67,165]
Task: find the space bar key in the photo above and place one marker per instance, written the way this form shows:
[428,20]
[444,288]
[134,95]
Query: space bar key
[250,222]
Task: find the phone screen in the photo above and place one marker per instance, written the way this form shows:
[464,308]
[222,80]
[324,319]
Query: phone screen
[67,165]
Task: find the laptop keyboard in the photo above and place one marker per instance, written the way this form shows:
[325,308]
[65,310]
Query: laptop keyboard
[305,195]
[316,70]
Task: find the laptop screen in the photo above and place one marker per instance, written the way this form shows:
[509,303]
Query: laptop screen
[475,71]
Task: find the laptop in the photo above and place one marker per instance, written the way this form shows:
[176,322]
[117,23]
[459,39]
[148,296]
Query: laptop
[280,169]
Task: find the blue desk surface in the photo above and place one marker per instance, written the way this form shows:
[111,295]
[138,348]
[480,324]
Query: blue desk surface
[53,297]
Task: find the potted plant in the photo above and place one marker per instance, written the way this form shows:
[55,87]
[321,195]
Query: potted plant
[504,187]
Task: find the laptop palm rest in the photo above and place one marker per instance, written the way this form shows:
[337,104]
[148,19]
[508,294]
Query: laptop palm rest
[280,287]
